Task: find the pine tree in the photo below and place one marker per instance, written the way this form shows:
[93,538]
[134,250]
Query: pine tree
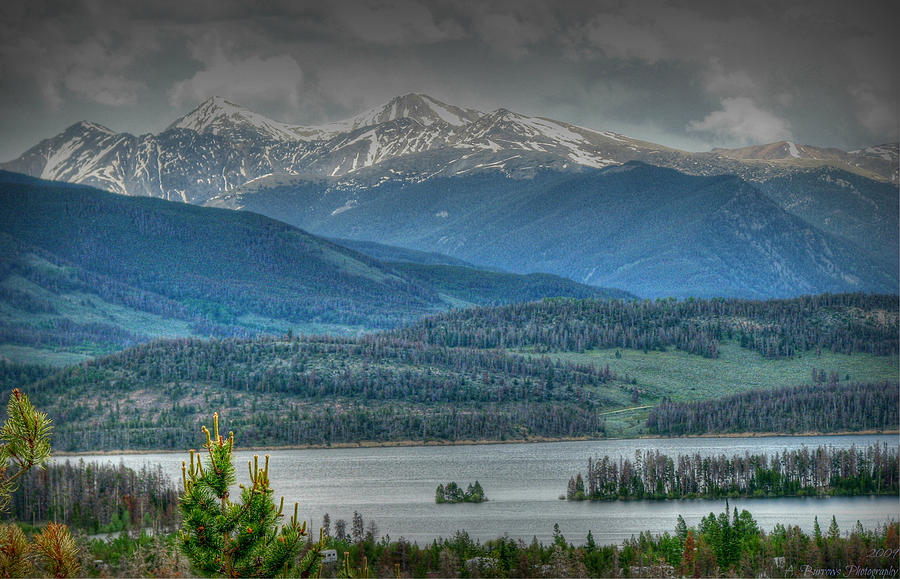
[238,539]
[478,493]
[57,550]
[15,551]
[25,440]
[681,529]
[817,532]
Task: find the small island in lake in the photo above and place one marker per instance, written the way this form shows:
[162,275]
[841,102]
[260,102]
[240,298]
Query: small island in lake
[453,493]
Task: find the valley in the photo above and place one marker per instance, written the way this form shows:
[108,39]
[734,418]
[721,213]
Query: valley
[467,289]
[424,273]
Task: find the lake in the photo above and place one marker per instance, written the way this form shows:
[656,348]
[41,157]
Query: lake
[394,487]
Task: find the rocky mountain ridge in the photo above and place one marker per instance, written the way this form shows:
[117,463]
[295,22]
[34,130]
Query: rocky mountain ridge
[220,146]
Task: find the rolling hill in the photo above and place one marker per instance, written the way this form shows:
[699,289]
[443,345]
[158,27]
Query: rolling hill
[557,368]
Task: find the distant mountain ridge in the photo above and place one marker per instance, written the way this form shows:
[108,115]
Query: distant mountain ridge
[220,146]
[881,160]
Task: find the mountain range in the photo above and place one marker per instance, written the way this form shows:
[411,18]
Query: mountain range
[220,146]
[656,232]
[522,193]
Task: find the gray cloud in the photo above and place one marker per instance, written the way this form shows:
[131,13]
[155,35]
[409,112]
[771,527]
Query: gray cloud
[393,23]
[685,73]
[741,119]
[252,80]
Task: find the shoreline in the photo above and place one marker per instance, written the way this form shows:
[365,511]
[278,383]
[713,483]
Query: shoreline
[778,434]
[414,443]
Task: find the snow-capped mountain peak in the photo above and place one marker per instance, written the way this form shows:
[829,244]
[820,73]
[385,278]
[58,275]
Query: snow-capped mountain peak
[219,116]
[89,126]
[421,108]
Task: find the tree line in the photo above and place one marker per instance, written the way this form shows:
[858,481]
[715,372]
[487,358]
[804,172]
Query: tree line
[873,470]
[821,407]
[777,328]
[300,424]
[96,497]
[728,543]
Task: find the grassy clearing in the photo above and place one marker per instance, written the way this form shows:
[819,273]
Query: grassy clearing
[680,376]
[45,357]
[272,326]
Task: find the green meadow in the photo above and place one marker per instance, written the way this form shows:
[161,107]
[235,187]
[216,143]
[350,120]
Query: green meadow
[680,376]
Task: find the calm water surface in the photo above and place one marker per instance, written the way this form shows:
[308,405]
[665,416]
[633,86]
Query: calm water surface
[394,487]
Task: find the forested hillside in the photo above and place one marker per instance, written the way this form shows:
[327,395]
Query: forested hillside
[474,375]
[319,391]
[86,272]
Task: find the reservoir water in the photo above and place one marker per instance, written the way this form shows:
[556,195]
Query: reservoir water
[394,487]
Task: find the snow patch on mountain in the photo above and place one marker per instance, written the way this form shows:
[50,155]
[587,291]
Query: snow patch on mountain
[885,152]
[350,204]
[57,159]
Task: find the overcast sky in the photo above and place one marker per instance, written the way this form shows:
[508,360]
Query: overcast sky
[691,74]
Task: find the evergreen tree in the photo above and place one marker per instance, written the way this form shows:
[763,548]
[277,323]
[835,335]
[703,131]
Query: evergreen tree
[238,539]
[57,551]
[558,539]
[681,530]
[579,488]
[478,493]
[25,440]
[817,532]
[14,554]
[340,529]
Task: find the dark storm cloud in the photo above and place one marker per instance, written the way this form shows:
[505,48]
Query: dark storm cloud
[686,74]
